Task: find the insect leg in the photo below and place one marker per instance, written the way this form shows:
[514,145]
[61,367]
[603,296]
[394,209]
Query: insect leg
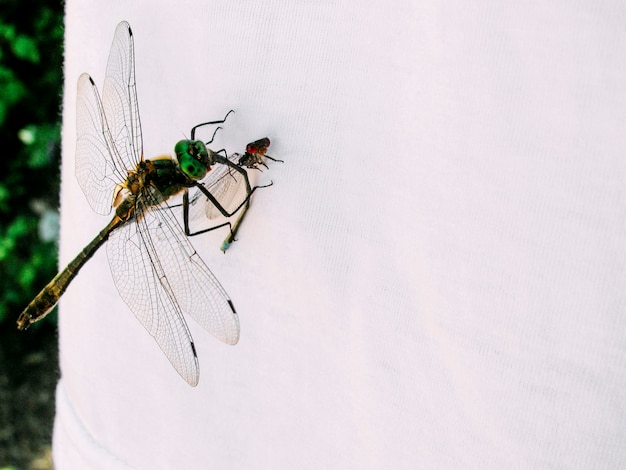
[210,123]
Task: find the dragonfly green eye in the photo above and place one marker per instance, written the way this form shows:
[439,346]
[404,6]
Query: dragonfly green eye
[193,158]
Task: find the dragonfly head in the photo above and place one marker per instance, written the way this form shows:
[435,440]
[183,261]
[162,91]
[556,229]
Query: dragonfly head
[193,158]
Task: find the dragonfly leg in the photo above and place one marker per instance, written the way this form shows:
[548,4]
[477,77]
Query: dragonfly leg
[226,159]
[210,123]
[213,136]
[221,208]
[188,231]
[245,204]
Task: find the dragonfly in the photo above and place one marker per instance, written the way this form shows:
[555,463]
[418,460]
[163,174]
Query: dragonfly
[155,268]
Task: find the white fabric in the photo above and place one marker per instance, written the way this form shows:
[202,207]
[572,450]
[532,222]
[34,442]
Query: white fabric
[437,278]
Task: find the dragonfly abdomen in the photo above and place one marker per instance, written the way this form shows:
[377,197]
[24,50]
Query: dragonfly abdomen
[45,301]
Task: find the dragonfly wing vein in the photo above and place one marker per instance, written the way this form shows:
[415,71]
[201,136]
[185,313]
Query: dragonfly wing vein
[195,287]
[96,173]
[226,185]
[143,285]
[119,97]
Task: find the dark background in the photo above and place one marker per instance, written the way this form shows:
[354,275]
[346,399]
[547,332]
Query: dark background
[31,60]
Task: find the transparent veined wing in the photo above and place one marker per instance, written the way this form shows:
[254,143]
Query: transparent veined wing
[228,187]
[196,290]
[109,139]
[159,275]
[96,171]
[143,285]
[119,98]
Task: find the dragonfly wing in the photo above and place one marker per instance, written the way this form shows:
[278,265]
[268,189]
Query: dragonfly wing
[96,171]
[228,187]
[195,288]
[143,284]
[119,97]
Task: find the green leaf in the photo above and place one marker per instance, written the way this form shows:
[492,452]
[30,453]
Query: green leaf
[27,275]
[25,47]
[7,31]
[13,89]
[41,140]
[4,195]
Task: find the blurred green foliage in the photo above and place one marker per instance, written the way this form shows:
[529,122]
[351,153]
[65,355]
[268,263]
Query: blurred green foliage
[31,39]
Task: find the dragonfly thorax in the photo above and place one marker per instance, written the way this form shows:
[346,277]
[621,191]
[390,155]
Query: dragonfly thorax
[160,178]
[164,174]
[194,158]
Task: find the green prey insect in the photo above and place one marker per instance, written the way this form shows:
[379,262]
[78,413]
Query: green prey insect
[155,268]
